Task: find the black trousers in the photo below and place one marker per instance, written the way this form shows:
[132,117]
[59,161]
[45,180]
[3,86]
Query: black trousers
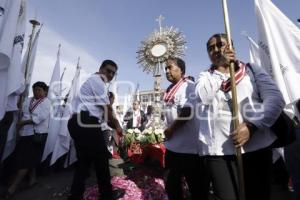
[5,123]
[257,167]
[292,157]
[191,167]
[91,150]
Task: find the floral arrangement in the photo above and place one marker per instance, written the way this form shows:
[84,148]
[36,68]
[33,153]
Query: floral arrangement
[148,136]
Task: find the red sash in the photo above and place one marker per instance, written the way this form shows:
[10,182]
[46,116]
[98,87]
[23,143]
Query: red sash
[33,105]
[170,93]
[239,75]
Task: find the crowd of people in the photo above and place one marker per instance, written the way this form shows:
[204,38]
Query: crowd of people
[200,138]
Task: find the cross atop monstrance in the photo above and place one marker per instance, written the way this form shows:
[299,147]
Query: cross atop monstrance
[159,20]
[156,49]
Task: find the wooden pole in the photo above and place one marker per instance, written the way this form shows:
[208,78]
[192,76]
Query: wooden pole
[234,106]
[34,23]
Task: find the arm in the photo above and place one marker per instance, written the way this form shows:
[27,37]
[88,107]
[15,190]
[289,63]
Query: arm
[24,122]
[112,120]
[272,99]
[207,87]
[183,117]
[185,113]
[272,106]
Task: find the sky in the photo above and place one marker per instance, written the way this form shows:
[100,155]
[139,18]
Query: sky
[95,30]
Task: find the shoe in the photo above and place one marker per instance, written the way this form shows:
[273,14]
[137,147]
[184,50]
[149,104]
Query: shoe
[116,194]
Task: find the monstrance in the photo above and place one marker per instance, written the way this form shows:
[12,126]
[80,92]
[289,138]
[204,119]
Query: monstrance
[155,50]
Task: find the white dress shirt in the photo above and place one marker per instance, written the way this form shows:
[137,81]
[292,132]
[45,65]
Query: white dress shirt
[185,138]
[93,94]
[259,101]
[136,118]
[40,117]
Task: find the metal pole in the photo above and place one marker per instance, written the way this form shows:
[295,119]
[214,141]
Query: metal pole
[234,107]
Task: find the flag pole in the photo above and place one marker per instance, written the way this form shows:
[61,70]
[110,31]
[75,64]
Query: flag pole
[234,106]
[34,24]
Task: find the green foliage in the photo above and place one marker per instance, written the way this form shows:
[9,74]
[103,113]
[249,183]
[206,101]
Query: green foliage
[148,136]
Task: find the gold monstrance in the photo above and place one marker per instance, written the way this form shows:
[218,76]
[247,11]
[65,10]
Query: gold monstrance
[154,51]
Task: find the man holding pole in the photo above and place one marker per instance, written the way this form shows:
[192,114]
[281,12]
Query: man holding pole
[260,103]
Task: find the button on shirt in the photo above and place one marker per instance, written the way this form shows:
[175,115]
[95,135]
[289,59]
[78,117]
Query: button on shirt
[40,117]
[259,101]
[185,138]
[93,95]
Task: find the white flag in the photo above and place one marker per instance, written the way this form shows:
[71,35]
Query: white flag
[254,51]
[15,79]
[54,94]
[15,75]
[12,30]
[9,13]
[279,38]
[62,144]
[55,85]
[30,63]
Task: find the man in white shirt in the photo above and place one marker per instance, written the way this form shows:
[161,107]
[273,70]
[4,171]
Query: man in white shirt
[182,144]
[260,103]
[92,106]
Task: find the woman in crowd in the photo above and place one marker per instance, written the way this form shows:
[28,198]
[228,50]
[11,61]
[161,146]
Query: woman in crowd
[260,103]
[33,129]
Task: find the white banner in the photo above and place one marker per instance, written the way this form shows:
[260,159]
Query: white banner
[54,94]
[279,38]
[254,51]
[9,13]
[12,30]
[62,144]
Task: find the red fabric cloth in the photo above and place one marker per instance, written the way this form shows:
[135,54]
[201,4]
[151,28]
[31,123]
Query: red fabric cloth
[138,153]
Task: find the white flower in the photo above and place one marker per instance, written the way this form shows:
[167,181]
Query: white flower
[147,131]
[139,137]
[130,131]
[158,131]
[136,130]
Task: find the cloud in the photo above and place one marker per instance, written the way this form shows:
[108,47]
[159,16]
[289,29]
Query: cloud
[46,57]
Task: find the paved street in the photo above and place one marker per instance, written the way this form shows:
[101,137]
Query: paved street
[55,185]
